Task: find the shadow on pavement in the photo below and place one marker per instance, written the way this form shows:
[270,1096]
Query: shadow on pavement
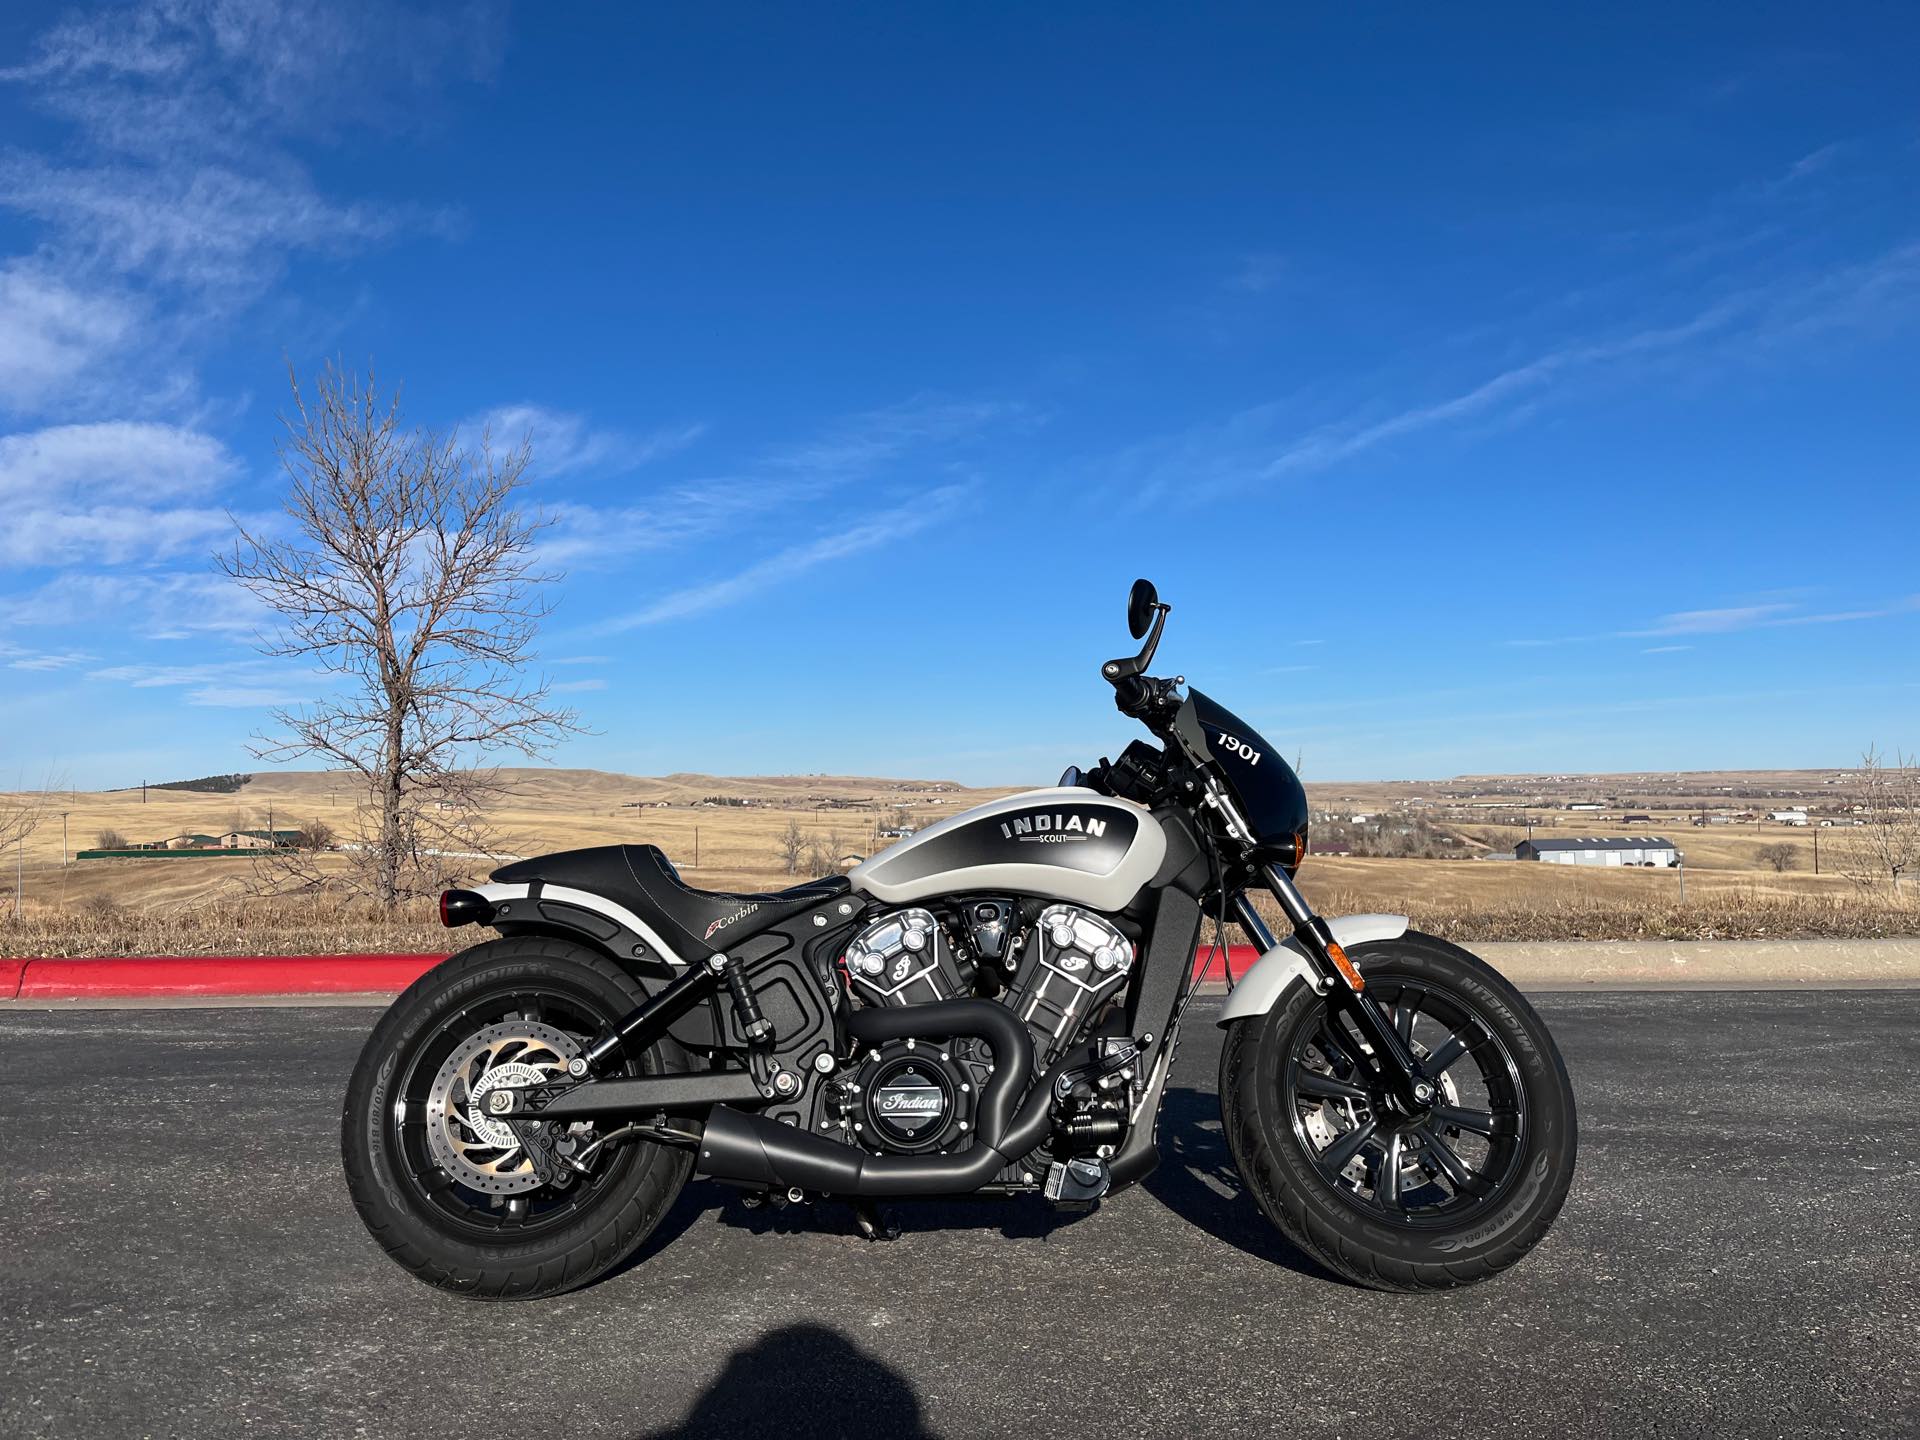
[802,1380]
[1196,1167]
[1196,1180]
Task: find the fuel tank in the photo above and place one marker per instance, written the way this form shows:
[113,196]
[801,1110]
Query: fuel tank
[1067,844]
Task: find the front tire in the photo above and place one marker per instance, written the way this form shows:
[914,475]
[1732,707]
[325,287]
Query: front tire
[444,1189]
[1448,1197]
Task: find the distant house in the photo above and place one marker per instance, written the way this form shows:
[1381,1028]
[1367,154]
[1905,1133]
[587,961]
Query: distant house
[1585,805]
[1787,817]
[188,842]
[1601,850]
[1636,819]
[258,840]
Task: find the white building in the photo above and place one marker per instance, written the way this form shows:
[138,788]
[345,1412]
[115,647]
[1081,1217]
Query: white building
[1601,850]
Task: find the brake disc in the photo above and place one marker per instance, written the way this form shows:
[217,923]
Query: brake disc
[470,1145]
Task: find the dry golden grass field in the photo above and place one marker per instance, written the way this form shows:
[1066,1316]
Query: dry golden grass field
[207,905]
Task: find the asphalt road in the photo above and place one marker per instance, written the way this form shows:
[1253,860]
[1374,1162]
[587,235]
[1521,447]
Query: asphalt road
[1738,1258]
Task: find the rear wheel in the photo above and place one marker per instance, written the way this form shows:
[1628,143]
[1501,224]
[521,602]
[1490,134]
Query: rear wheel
[447,1189]
[1440,1196]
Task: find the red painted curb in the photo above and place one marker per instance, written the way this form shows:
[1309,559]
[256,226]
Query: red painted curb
[218,975]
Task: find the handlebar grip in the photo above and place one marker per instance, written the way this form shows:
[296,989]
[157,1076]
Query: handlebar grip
[1130,694]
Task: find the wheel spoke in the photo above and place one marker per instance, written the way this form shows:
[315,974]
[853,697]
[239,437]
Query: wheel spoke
[1435,1065]
[1338,1155]
[1331,1087]
[1386,1181]
[1480,1122]
[1403,1013]
[1450,1164]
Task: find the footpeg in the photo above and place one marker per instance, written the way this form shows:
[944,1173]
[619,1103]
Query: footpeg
[1079,1182]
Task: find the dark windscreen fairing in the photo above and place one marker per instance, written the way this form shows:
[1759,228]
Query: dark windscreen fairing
[1270,794]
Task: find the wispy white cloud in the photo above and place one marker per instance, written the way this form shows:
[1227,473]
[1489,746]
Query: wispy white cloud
[1250,448]
[577,687]
[64,661]
[1258,272]
[1715,622]
[868,533]
[90,494]
[179,193]
[875,443]
[153,606]
[115,457]
[1729,620]
[53,333]
[565,442]
[863,443]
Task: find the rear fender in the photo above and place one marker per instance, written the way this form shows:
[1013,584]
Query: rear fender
[1286,964]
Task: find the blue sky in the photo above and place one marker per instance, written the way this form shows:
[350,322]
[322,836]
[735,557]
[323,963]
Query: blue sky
[1488,388]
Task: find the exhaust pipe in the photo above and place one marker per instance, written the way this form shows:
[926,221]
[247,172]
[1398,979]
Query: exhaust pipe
[752,1149]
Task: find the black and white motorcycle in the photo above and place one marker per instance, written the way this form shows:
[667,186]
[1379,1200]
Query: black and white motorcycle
[988,1007]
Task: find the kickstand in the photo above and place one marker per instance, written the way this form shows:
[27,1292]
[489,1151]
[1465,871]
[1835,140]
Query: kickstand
[868,1220]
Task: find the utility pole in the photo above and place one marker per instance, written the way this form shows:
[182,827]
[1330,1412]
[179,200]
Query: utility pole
[19,873]
[1816,849]
[696,847]
[64,847]
[1682,868]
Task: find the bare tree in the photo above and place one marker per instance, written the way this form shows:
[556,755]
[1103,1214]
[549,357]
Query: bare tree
[110,839]
[1884,848]
[409,577]
[1780,856]
[20,815]
[793,843]
[823,853]
[314,835]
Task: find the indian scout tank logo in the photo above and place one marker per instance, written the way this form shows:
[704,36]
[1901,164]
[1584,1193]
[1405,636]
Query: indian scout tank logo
[1056,828]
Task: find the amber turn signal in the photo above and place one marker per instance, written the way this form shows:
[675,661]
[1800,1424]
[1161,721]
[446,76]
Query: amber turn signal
[1348,970]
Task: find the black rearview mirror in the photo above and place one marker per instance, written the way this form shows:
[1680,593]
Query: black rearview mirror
[1141,601]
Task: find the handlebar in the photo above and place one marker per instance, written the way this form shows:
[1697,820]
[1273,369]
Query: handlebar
[1147,699]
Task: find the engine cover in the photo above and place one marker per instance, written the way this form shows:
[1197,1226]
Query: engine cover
[905,958]
[1075,960]
[906,1097]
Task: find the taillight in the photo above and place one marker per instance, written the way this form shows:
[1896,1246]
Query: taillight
[463,907]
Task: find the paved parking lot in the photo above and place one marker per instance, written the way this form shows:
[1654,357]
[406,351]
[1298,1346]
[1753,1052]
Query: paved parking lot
[1738,1257]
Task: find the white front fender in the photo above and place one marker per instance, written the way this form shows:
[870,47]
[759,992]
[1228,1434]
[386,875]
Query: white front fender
[1262,986]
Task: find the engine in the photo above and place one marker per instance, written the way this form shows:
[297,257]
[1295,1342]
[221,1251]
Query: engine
[1053,965]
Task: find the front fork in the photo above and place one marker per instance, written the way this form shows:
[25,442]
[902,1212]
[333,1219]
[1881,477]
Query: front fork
[1338,979]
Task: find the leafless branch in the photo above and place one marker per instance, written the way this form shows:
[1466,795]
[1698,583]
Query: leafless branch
[408,575]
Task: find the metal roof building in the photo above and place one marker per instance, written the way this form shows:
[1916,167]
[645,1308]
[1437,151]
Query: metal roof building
[1601,850]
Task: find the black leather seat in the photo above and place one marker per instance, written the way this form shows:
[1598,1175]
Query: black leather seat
[640,877]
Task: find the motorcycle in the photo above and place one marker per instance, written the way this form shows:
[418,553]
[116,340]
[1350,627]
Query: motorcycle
[990,1006]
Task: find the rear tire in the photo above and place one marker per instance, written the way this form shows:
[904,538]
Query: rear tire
[443,1205]
[1386,1214]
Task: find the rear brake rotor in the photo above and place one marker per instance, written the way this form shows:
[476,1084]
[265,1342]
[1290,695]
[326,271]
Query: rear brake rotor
[473,1147]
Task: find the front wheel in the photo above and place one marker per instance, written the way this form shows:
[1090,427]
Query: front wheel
[1443,1196]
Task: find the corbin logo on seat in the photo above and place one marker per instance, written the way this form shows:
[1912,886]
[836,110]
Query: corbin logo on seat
[1055,828]
[726,920]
